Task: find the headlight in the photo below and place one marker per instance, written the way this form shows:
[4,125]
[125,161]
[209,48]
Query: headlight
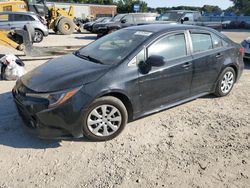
[56,98]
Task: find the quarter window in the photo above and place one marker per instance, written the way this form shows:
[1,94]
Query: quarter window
[217,43]
[201,42]
[169,47]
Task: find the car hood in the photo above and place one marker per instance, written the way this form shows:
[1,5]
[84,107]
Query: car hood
[165,22]
[63,73]
[89,23]
[106,24]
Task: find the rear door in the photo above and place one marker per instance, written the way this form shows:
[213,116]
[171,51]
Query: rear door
[171,80]
[208,56]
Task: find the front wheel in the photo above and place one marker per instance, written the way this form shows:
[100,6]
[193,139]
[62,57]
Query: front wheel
[66,26]
[105,119]
[38,36]
[226,82]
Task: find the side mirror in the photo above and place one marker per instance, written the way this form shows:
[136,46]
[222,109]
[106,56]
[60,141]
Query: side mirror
[185,19]
[155,61]
[152,61]
[123,21]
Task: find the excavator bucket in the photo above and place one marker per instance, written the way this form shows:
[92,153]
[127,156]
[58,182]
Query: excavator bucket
[20,39]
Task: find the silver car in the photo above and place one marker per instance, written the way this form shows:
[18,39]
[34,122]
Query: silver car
[14,20]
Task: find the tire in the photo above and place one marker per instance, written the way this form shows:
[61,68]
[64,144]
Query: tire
[38,36]
[226,82]
[95,122]
[66,26]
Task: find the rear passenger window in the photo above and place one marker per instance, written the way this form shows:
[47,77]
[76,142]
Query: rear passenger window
[21,17]
[201,42]
[217,42]
[169,47]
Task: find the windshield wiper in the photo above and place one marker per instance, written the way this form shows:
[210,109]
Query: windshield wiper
[87,57]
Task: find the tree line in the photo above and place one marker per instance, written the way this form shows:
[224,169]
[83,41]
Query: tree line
[123,6]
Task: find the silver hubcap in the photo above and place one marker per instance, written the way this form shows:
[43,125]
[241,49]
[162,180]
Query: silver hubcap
[227,82]
[37,36]
[104,120]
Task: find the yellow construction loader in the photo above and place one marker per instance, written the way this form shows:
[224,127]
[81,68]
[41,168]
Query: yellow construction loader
[20,39]
[58,19]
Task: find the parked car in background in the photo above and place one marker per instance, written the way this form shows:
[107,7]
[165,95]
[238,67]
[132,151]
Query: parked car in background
[122,21]
[126,75]
[187,17]
[246,44]
[89,25]
[16,20]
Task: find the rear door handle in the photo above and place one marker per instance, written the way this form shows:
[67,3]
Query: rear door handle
[186,65]
[219,55]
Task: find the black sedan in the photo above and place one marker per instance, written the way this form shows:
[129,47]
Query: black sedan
[124,76]
[89,25]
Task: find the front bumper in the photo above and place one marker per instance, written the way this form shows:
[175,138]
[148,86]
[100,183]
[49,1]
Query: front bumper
[46,32]
[35,127]
[60,122]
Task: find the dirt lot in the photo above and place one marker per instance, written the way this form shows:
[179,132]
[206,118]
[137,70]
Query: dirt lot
[203,143]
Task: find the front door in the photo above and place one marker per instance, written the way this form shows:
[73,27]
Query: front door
[170,80]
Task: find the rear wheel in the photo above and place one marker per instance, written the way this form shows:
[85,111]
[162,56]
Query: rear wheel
[105,119]
[226,82]
[38,36]
[66,26]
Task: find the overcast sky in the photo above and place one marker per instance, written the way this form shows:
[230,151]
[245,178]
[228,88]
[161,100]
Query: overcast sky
[169,3]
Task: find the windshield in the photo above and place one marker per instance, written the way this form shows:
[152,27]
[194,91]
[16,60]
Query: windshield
[114,47]
[99,19]
[118,17]
[106,20]
[171,16]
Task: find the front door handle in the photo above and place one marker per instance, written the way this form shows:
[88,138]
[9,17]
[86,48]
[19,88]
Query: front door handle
[186,65]
[219,55]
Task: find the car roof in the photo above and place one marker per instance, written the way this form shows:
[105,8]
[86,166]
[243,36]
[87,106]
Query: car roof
[192,11]
[158,28]
[23,13]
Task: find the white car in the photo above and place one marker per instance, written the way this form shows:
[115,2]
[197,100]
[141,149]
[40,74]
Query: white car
[246,44]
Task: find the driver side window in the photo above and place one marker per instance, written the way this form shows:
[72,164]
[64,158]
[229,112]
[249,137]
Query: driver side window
[169,47]
[128,18]
[190,17]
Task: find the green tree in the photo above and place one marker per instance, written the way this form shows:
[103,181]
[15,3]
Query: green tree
[101,2]
[125,6]
[210,8]
[241,6]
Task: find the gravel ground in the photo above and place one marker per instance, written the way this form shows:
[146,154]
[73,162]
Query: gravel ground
[203,143]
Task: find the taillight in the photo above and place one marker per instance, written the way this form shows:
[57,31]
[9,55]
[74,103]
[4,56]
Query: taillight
[241,50]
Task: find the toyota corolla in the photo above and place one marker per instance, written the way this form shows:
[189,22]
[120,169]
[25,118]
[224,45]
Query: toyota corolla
[124,76]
